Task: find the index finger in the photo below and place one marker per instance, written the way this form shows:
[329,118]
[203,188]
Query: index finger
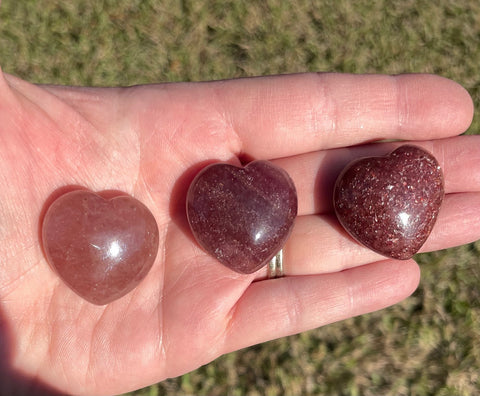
[286,115]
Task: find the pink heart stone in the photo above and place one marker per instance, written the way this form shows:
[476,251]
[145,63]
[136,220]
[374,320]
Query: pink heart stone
[242,216]
[390,203]
[101,248]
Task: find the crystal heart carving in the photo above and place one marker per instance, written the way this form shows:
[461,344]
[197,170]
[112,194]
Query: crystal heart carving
[101,248]
[242,216]
[390,203]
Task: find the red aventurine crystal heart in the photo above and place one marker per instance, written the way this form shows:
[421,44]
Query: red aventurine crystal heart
[390,203]
[242,216]
[101,248]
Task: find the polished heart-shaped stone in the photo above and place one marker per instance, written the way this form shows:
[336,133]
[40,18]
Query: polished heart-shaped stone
[391,203]
[242,216]
[101,248]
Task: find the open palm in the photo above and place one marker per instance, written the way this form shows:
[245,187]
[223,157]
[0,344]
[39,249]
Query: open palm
[150,141]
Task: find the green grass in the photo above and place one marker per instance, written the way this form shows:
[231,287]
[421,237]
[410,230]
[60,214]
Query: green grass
[427,345]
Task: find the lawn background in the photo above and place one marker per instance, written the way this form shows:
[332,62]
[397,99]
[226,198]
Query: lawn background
[427,345]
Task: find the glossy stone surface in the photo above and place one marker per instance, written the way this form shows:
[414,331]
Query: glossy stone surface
[242,216]
[101,248]
[391,203]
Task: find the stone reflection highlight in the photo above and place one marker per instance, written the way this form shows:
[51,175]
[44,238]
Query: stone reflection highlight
[101,248]
[391,203]
[242,216]
[114,251]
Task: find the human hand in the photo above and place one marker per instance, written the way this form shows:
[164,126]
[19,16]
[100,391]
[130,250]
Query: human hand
[150,141]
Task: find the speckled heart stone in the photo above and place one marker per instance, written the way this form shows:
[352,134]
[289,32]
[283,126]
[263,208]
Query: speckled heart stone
[390,203]
[101,248]
[242,216]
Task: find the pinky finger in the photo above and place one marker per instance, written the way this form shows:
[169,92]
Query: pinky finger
[280,307]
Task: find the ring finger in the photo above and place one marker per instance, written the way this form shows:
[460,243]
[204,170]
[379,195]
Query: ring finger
[319,244]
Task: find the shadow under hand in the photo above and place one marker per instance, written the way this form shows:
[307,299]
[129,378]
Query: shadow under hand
[12,382]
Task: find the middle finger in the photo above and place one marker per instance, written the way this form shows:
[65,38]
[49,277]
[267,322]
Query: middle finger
[314,174]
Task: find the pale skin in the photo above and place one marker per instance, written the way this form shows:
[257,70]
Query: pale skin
[150,141]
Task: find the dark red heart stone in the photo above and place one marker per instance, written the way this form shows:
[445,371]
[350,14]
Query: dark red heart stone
[242,216]
[391,203]
[101,248]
